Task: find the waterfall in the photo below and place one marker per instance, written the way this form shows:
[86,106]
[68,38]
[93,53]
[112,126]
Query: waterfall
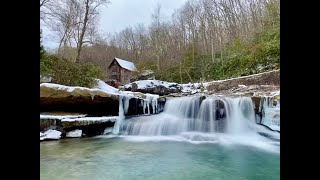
[124,108]
[196,114]
[199,119]
[270,112]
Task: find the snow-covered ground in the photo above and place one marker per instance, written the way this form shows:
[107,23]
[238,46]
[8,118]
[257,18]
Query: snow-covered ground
[105,87]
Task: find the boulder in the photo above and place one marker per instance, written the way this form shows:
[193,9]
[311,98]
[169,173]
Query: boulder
[50,135]
[153,87]
[144,75]
[74,133]
[71,125]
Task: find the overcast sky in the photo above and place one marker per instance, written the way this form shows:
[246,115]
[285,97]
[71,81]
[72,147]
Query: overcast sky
[120,14]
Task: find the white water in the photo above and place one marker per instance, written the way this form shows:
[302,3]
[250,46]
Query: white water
[229,115]
[124,107]
[222,120]
[270,113]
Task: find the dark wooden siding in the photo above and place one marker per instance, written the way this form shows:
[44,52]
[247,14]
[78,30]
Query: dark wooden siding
[116,72]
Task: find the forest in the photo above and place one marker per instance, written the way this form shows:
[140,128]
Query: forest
[203,40]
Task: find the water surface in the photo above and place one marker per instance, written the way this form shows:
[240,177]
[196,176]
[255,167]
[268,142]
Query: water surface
[119,158]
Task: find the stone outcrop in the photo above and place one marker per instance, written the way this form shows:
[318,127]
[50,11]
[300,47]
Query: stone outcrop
[268,78]
[89,126]
[94,102]
[82,100]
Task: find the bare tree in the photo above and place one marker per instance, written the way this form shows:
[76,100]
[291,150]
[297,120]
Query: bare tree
[90,9]
[75,22]
[156,16]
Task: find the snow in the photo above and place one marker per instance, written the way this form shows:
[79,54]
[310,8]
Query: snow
[50,134]
[275,93]
[193,88]
[105,87]
[102,119]
[143,84]
[126,64]
[101,87]
[62,87]
[74,133]
[44,116]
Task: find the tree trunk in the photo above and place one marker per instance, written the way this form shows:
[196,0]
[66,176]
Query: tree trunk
[84,28]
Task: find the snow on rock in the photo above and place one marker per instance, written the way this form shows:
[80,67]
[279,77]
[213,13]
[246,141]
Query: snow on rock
[50,134]
[61,87]
[275,93]
[153,87]
[242,86]
[193,88]
[101,119]
[74,133]
[44,116]
[143,84]
[105,87]
[126,64]
[57,90]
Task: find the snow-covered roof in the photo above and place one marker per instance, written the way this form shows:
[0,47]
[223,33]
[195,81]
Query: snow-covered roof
[126,64]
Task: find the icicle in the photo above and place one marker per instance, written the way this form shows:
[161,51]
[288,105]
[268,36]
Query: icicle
[92,95]
[126,104]
[121,117]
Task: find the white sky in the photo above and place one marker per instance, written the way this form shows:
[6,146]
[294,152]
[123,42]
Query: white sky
[120,14]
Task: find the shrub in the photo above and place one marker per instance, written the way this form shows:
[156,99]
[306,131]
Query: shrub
[68,73]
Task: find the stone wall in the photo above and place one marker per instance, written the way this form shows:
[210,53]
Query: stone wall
[267,78]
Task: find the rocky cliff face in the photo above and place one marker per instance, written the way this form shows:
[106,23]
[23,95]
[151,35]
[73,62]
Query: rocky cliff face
[70,110]
[94,102]
[81,100]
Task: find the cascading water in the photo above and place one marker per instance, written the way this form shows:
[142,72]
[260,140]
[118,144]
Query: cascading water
[199,119]
[270,112]
[150,100]
[185,114]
